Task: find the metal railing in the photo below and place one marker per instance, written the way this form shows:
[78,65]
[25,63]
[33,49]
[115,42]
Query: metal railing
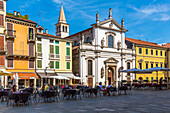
[68,57]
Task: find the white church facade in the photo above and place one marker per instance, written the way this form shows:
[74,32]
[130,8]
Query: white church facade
[100,52]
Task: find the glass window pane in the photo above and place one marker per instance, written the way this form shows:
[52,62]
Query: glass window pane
[56,42]
[68,65]
[68,51]
[67,43]
[51,64]
[39,48]
[51,49]
[110,41]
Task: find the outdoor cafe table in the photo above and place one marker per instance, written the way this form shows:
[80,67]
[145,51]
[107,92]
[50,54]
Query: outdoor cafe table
[21,97]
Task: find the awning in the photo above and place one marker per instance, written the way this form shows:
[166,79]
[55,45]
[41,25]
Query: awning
[5,73]
[26,76]
[59,77]
[42,75]
[65,74]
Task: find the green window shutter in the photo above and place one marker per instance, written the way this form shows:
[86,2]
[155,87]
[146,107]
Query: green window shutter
[51,49]
[57,50]
[68,65]
[51,64]
[39,64]
[57,65]
[68,51]
[39,48]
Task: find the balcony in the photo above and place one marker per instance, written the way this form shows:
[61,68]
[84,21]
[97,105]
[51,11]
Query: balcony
[68,57]
[10,34]
[20,54]
[51,56]
[39,55]
[57,56]
[31,38]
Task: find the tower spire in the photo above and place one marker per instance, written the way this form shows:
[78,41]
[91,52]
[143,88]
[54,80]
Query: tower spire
[62,18]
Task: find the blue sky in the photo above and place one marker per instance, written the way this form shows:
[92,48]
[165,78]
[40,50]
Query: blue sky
[144,19]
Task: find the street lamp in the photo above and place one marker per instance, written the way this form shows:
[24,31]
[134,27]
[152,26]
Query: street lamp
[46,72]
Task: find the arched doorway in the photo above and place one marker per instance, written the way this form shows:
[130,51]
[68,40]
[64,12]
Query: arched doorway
[110,75]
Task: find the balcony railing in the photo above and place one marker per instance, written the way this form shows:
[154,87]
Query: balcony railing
[57,56]
[68,57]
[51,56]
[10,33]
[39,54]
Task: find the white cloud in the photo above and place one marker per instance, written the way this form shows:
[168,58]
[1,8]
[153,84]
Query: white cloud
[163,17]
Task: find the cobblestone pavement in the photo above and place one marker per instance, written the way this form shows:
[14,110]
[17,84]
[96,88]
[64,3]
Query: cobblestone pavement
[137,102]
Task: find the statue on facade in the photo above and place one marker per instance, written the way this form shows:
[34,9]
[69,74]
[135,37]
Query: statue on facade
[118,45]
[102,43]
[102,72]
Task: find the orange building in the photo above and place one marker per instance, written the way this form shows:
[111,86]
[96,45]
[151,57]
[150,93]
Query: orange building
[20,57]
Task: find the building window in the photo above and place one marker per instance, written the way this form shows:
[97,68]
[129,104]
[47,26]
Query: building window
[38,39]
[51,64]
[147,51]
[31,49]
[2,60]
[75,43]
[2,20]
[39,47]
[39,64]
[67,44]
[140,50]
[161,53]
[151,65]
[68,51]
[156,52]
[151,79]
[9,47]
[51,41]
[10,63]
[31,35]
[88,40]
[57,65]
[1,5]
[89,67]
[128,67]
[156,64]
[151,52]
[147,78]
[57,50]
[165,53]
[110,41]
[10,31]
[65,28]
[31,63]
[161,65]
[140,65]
[146,65]
[56,42]
[51,49]
[68,65]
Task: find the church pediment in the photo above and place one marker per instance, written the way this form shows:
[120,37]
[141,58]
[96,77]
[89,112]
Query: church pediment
[111,60]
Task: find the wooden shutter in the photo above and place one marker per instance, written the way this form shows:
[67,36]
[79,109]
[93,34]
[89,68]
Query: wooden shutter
[1,5]
[31,49]
[31,63]
[68,65]
[51,64]
[9,29]
[2,60]
[10,47]
[39,48]
[68,51]
[1,43]
[57,50]
[51,49]
[10,62]
[2,20]
[57,65]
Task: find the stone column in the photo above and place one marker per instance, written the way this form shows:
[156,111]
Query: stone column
[35,83]
[54,81]
[106,76]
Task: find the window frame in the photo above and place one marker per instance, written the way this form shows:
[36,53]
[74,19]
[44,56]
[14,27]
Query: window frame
[140,50]
[38,65]
[147,52]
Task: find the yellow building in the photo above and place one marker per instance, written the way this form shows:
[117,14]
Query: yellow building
[148,55]
[20,57]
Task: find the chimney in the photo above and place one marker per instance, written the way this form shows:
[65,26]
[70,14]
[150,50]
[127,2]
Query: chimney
[15,13]
[46,31]
[110,13]
[97,17]
[18,13]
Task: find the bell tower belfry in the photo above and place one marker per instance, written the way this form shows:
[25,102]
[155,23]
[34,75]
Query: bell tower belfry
[62,28]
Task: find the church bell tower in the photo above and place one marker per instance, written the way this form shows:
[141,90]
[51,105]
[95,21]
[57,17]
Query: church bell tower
[62,28]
